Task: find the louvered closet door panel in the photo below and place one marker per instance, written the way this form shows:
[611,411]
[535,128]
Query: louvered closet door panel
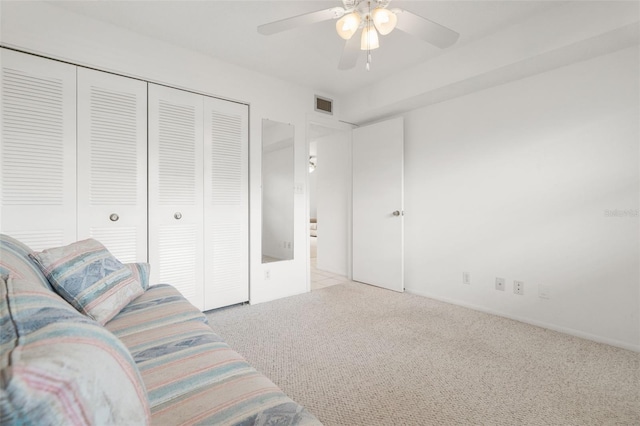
[175,191]
[38,150]
[226,203]
[112,163]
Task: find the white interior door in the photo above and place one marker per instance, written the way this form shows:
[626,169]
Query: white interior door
[175,191]
[112,163]
[226,203]
[378,198]
[37,150]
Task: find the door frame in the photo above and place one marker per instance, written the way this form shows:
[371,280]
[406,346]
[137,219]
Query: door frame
[335,124]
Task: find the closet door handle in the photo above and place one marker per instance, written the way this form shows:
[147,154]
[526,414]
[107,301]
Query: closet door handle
[396,213]
[177,215]
[114,217]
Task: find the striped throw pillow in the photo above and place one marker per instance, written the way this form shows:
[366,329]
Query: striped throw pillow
[87,276]
[140,273]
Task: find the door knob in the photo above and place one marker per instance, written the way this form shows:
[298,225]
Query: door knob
[396,213]
[113,217]
[177,215]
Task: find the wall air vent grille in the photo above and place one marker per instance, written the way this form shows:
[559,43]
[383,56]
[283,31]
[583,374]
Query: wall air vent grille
[323,105]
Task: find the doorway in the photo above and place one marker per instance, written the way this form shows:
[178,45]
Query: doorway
[329,203]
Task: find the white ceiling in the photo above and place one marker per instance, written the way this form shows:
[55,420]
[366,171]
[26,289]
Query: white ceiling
[226,30]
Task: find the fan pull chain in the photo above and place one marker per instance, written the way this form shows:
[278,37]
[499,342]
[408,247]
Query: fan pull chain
[368,66]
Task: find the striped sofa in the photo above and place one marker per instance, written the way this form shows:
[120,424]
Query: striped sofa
[156,362]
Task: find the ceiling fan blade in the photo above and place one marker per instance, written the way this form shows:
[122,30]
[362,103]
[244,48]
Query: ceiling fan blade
[300,20]
[350,54]
[429,31]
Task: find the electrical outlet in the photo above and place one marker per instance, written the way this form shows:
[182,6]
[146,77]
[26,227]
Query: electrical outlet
[544,292]
[518,287]
[267,274]
[466,278]
[500,284]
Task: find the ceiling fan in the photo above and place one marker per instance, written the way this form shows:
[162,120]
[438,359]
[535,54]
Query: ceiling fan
[373,17]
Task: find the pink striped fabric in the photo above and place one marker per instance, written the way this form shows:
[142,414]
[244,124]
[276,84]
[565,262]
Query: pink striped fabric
[192,376]
[62,367]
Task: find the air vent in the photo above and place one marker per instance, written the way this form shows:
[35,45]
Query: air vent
[323,105]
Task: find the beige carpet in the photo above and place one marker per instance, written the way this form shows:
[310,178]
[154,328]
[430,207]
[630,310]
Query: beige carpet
[358,355]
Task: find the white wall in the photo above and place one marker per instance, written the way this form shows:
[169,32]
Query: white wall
[54,32]
[334,202]
[313,190]
[313,183]
[515,182]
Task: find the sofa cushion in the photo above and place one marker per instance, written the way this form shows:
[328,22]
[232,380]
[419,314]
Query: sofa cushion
[14,260]
[193,377]
[246,398]
[191,374]
[160,306]
[87,276]
[61,367]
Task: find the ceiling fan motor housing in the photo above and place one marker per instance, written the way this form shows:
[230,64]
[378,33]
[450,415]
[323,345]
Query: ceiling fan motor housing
[363,7]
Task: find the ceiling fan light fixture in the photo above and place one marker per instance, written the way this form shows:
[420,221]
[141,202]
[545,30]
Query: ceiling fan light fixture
[369,40]
[348,25]
[384,20]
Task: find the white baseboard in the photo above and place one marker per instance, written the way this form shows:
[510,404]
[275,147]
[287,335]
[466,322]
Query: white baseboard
[570,331]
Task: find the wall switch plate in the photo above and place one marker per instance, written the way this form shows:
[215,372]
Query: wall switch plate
[544,291]
[518,287]
[500,284]
[466,278]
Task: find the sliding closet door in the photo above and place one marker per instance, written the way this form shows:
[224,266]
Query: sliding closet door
[175,191]
[112,163]
[38,150]
[226,204]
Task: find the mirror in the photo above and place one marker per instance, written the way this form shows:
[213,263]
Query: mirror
[277,191]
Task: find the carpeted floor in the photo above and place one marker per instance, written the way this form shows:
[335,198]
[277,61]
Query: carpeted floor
[358,355]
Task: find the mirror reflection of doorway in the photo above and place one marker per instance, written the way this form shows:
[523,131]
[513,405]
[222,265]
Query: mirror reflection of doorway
[329,204]
[277,191]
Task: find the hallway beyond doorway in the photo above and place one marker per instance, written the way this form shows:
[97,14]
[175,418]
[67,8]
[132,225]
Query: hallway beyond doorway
[321,279]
